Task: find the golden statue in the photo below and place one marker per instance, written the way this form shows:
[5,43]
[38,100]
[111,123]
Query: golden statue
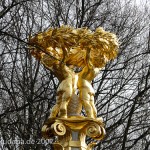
[63,47]
[63,51]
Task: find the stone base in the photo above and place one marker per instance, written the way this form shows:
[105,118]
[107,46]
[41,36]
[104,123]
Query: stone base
[71,132]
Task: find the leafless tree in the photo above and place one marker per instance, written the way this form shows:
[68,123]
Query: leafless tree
[28,90]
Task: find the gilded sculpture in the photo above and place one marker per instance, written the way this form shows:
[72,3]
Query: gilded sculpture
[75,56]
[62,49]
[66,88]
[86,91]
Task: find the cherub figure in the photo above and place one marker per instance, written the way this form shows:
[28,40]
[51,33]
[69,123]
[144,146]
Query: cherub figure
[66,88]
[66,77]
[86,91]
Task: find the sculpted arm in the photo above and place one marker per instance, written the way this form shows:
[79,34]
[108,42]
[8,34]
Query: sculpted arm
[90,68]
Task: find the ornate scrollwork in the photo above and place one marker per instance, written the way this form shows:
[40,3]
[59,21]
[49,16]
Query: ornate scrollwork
[103,133]
[59,128]
[95,131]
[47,132]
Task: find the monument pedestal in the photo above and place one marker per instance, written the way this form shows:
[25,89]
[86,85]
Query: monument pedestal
[71,132]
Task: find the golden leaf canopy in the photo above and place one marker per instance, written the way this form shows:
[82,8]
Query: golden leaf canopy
[71,45]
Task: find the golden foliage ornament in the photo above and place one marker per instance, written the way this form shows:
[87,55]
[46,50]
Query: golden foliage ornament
[70,45]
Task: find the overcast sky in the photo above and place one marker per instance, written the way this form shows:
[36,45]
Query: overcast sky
[139,2]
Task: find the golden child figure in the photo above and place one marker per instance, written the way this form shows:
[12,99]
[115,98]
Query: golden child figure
[65,89]
[85,78]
